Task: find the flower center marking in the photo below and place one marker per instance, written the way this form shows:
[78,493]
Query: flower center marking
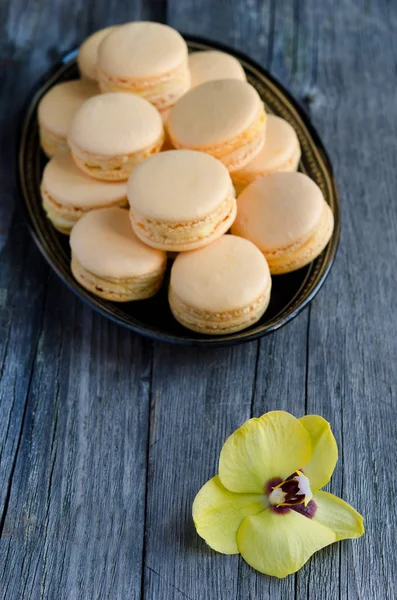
[294,490]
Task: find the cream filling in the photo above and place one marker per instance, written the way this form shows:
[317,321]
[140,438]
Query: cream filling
[239,150]
[162,91]
[221,322]
[245,177]
[242,156]
[55,214]
[180,233]
[63,225]
[65,216]
[95,164]
[121,290]
[301,253]
[51,142]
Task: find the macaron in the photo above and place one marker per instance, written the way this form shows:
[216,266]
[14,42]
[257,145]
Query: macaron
[110,261]
[211,65]
[222,288]
[167,145]
[181,200]
[147,59]
[111,133]
[88,53]
[224,118]
[281,152]
[164,115]
[56,110]
[286,216]
[68,194]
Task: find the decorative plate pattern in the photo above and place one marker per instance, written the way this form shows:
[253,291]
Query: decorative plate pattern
[152,318]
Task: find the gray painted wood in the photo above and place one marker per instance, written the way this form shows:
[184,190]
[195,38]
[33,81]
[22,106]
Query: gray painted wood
[357,380]
[105,438]
[257,384]
[75,517]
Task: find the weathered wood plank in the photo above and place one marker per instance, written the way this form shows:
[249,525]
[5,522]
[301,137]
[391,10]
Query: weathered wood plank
[353,332]
[22,286]
[72,441]
[320,43]
[75,519]
[321,577]
[74,456]
[199,397]
[204,406]
[280,384]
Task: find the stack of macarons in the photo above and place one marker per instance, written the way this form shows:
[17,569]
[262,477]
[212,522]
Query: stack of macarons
[148,153]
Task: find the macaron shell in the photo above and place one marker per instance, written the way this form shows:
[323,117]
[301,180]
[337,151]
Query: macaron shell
[115,124]
[88,53]
[61,223]
[64,216]
[281,152]
[226,275]
[187,236]
[52,143]
[59,105]
[164,115]
[213,113]
[279,211]
[178,185]
[218,324]
[246,149]
[112,168]
[125,290]
[296,258]
[142,50]
[104,243]
[211,65]
[68,185]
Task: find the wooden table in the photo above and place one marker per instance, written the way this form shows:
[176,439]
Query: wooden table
[105,437]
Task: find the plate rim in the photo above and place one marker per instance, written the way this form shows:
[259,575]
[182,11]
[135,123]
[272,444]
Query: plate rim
[239,337]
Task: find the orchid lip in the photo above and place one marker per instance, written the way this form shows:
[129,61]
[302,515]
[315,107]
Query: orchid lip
[292,491]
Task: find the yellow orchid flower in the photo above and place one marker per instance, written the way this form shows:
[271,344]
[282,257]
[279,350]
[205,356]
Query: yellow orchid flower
[266,502]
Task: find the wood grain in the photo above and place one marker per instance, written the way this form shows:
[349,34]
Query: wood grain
[353,330]
[23,278]
[75,518]
[74,388]
[105,438]
[248,386]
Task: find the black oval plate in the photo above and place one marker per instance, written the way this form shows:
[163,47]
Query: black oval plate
[153,318]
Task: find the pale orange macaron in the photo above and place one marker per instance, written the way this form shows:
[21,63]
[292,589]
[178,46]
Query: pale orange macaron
[181,200]
[211,65]
[68,194]
[148,59]
[111,133]
[281,152]
[110,261]
[88,53]
[224,118]
[286,216]
[222,288]
[56,110]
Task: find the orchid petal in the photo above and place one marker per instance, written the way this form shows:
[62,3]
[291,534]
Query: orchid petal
[218,513]
[338,515]
[280,544]
[324,451]
[273,446]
